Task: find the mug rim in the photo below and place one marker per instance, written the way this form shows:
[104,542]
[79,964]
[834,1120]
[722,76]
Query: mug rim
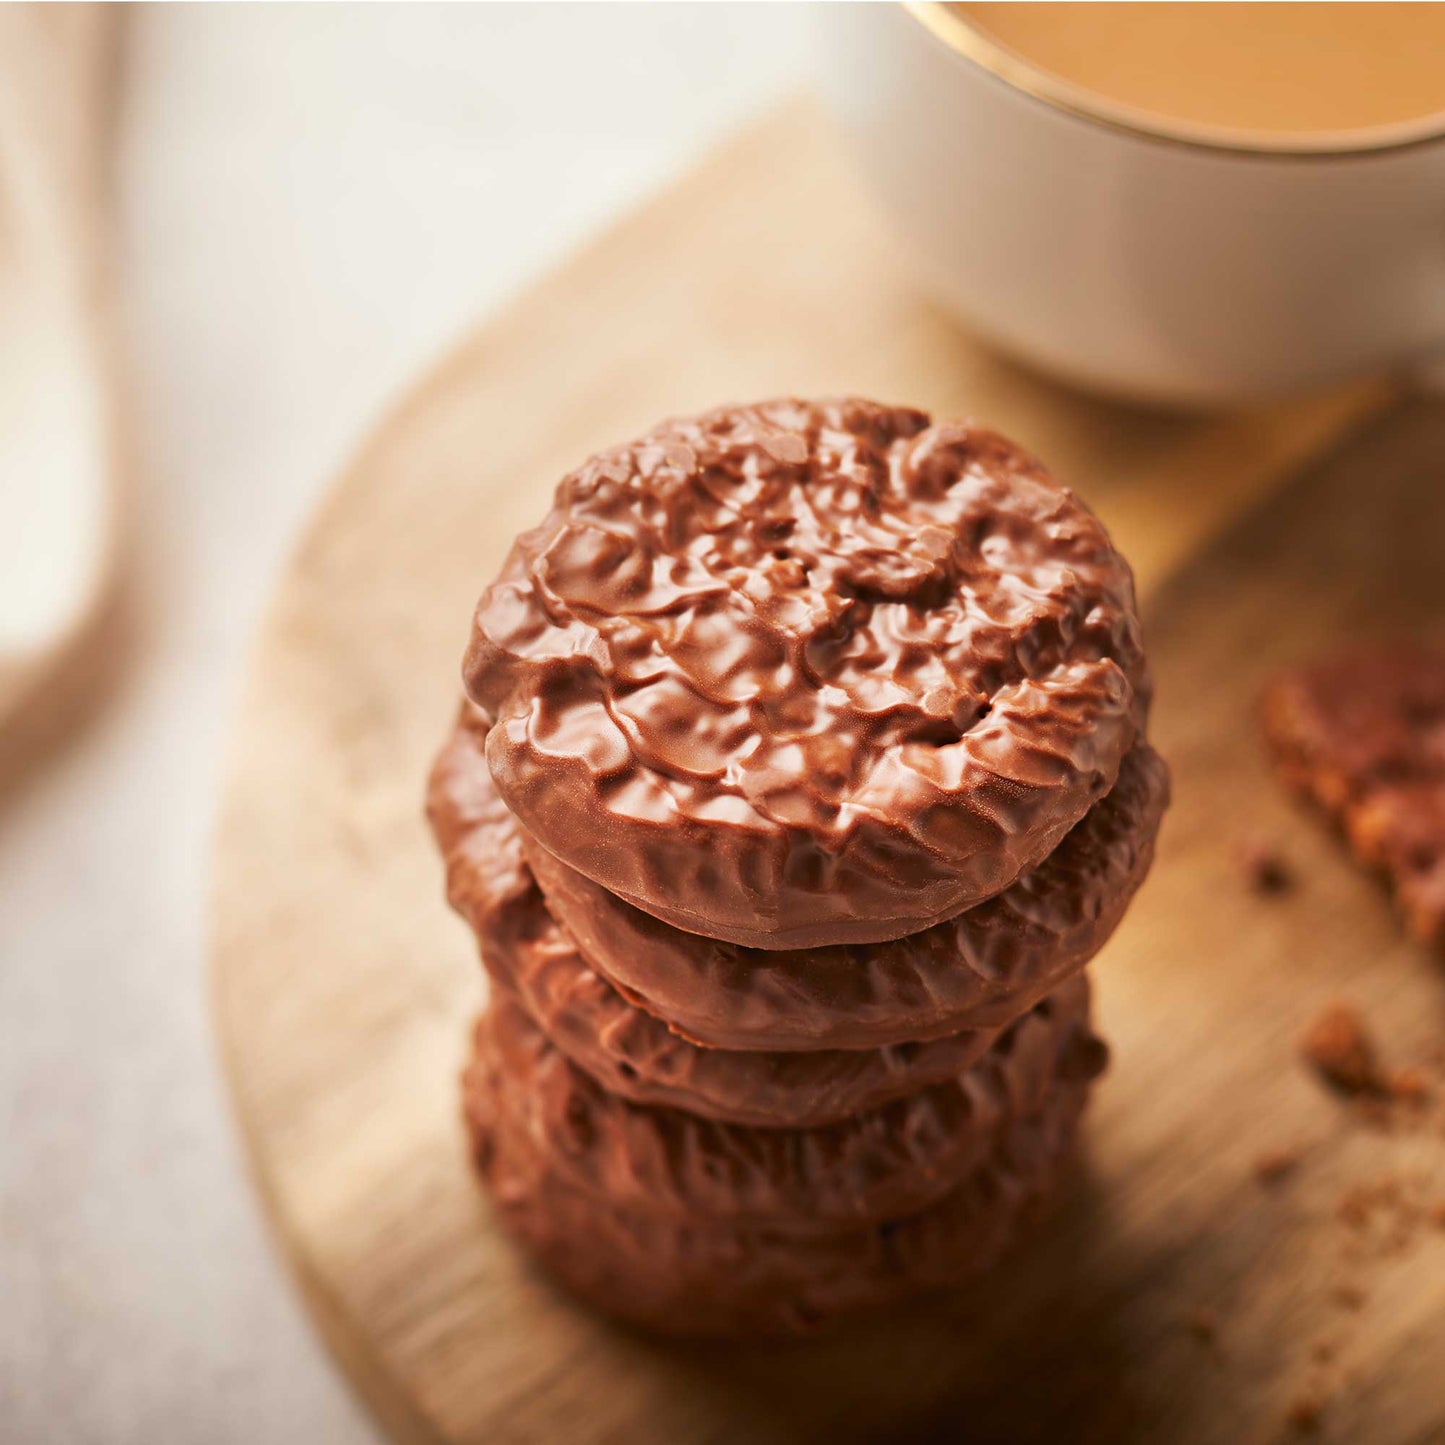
[973,44]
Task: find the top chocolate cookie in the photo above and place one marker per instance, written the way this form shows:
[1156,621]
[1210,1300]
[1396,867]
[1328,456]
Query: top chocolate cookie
[808,673]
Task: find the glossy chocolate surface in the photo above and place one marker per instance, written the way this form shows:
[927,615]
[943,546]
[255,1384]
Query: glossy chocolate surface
[878,1164]
[808,673]
[980,969]
[709,1277]
[626,1049]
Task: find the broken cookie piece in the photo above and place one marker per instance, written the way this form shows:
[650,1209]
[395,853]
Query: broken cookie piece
[1364,736]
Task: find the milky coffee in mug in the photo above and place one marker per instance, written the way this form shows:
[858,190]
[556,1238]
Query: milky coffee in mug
[1280,69]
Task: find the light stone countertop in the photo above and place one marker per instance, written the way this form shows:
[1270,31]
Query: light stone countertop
[312,203]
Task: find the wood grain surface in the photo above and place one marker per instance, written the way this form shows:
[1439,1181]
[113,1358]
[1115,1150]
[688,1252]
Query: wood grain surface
[343,987]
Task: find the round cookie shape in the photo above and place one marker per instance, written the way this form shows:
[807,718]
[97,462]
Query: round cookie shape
[628,1050]
[879,1164]
[808,673]
[982,968]
[704,1277]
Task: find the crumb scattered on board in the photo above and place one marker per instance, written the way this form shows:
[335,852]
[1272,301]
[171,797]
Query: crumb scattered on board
[1362,735]
[1276,1165]
[1340,1050]
[1379,1218]
[1306,1413]
[1348,1296]
[1264,866]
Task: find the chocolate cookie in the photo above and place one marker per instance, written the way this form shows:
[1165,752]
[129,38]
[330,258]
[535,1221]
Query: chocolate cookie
[706,1277]
[1364,735]
[626,1049]
[1401,830]
[803,674]
[876,1165]
[979,969]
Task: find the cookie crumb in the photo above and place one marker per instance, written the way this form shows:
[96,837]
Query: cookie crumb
[1263,866]
[1305,1414]
[1339,1049]
[1274,1166]
[1348,1296]
[1354,1208]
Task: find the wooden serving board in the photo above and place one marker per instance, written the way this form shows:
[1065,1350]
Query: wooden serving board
[344,988]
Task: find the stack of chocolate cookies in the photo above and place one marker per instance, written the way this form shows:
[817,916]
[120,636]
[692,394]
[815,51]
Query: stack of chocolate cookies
[802,772]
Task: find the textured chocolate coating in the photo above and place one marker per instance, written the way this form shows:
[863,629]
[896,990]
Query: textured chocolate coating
[803,673]
[982,968]
[879,1164]
[711,1278]
[626,1049]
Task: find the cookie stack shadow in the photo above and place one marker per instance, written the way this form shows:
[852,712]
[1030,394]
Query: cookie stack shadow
[759,1132]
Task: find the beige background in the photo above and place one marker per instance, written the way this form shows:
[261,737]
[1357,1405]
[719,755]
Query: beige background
[312,202]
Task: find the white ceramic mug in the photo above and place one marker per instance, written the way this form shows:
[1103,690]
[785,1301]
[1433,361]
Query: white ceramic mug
[1151,261]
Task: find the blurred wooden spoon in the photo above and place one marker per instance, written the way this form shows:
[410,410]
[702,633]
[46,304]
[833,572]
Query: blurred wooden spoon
[58,462]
